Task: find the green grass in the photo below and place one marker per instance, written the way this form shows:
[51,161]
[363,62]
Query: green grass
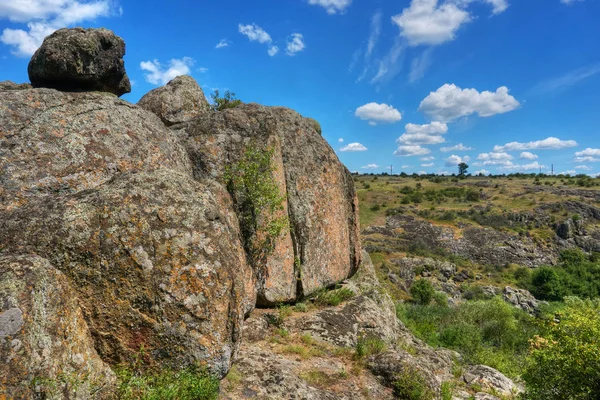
[334,297]
[366,347]
[188,384]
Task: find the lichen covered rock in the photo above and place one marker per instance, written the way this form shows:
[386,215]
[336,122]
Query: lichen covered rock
[46,348]
[323,246]
[81,59]
[56,143]
[156,259]
[178,101]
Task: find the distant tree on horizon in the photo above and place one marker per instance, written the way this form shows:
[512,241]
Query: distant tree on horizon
[462,169]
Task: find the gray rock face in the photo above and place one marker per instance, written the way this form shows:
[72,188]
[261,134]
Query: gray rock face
[156,260]
[81,59]
[8,85]
[370,315]
[485,246]
[522,299]
[178,101]
[46,348]
[490,379]
[323,246]
[56,143]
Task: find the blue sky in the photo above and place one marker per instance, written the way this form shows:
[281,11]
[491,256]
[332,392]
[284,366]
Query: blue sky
[505,85]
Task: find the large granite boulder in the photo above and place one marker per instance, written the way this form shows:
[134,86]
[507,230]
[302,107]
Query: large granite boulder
[46,348]
[156,260]
[323,245]
[81,59]
[178,101]
[56,143]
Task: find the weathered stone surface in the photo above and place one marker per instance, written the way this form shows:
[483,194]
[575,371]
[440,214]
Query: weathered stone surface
[81,59]
[490,379]
[371,314]
[157,262]
[54,143]
[485,246]
[522,299]
[321,201]
[178,101]
[267,375]
[45,345]
[8,85]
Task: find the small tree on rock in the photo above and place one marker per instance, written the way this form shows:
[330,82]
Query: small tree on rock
[222,103]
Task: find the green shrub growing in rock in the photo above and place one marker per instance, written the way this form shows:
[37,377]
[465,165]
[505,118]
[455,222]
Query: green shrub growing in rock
[422,291]
[411,385]
[259,201]
[369,346]
[223,103]
[334,297]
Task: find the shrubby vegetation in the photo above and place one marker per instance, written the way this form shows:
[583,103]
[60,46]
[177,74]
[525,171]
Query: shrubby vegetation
[188,384]
[223,103]
[564,362]
[258,199]
[489,332]
[577,275]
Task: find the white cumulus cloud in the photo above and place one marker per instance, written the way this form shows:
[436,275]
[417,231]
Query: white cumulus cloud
[588,155]
[526,155]
[494,158]
[454,160]
[482,171]
[550,143]
[534,166]
[428,158]
[424,134]
[157,74]
[584,167]
[370,166]
[255,33]
[425,22]
[295,44]
[376,113]
[341,140]
[332,6]
[450,102]
[354,147]
[458,147]
[273,50]
[43,17]
[411,150]
[429,165]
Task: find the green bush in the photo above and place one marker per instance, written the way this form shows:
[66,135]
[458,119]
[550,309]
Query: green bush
[366,347]
[576,275]
[223,103]
[411,385]
[564,363]
[258,199]
[422,291]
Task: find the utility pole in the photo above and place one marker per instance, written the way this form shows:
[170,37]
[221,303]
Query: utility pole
[552,169]
[391,170]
